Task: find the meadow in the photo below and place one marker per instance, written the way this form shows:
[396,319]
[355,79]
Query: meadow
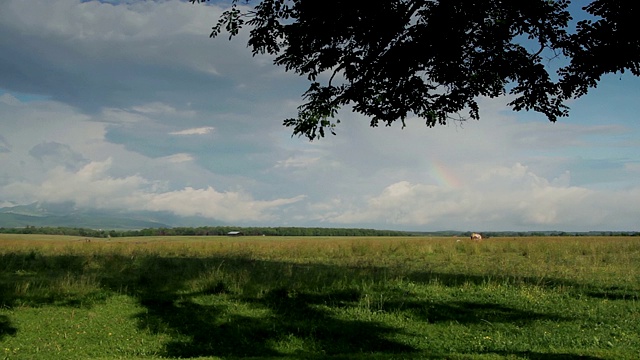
[319,297]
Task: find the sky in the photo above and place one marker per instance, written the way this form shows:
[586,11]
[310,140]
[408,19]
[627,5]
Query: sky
[130,105]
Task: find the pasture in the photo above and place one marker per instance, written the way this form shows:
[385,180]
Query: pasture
[315,298]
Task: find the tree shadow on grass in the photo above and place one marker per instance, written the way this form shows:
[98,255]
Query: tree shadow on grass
[284,315]
[532,355]
[614,293]
[307,315]
[198,330]
[469,312]
[6,328]
[296,302]
[456,279]
[296,311]
[459,279]
[204,332]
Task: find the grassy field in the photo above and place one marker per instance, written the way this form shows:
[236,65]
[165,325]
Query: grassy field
[315,298]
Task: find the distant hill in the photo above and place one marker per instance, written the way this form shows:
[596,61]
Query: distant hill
[68,215]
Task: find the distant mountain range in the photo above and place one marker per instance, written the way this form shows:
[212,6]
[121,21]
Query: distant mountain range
[68,215]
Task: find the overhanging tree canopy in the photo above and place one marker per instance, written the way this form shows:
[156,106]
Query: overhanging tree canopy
[390,59]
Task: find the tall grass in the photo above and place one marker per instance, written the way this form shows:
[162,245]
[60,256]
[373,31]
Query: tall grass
[185,297]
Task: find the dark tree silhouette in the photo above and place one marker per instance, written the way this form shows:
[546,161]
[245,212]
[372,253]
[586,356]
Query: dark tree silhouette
[390,59]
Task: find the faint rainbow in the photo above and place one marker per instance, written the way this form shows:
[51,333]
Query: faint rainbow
[443,175]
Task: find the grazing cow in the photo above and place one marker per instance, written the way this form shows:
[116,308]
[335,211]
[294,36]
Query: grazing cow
[476,236]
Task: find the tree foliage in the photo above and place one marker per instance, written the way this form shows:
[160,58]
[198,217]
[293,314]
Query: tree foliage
[391,59]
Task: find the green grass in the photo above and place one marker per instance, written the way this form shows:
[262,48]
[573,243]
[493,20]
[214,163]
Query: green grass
[316,298]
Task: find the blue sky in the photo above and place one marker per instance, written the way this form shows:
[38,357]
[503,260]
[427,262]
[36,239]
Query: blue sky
[130,105]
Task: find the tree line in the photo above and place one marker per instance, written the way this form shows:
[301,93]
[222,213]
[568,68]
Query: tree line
[204,231]
[286,231]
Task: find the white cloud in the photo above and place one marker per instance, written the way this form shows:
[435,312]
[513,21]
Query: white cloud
[42,135]
[57,154]
[9,99]
[122,116]
[53,152]
[158,108]
[77,20]
[194,131]
[178,158]
[499,196]
[92,186]
[227,206]
[297,162]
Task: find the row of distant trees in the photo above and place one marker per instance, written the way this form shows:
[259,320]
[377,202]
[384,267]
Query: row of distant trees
[203,231]
[285,231]
[557,233]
